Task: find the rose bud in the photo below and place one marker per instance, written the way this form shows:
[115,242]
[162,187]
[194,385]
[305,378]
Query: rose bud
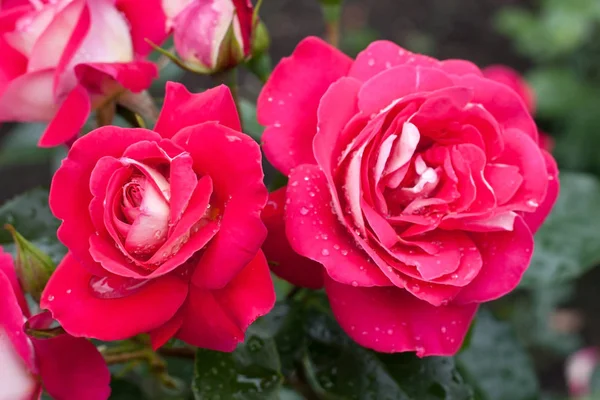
[213,35]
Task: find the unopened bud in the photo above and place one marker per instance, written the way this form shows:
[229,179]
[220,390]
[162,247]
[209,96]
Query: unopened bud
[33,266]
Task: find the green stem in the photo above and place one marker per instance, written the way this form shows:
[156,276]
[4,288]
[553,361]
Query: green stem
[332,14]
[45,333]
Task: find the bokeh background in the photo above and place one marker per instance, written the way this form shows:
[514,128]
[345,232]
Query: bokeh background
[554,43]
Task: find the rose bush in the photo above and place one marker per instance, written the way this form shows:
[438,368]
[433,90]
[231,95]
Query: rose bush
[417,184]
[62,59]
[67,368]
[512,79]
[212,35]
[163,228]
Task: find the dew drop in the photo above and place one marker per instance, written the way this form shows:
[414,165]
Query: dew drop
[390,331]
[354,283]
[325,252]
[50,298]
[443,329]
[270,99]
[69,291]
[304,211]
[371,62]
[344,252]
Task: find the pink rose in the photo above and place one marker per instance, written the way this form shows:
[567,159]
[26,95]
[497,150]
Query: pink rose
[579,370]
[211,34]
[512,79]
[67,368]
[163,228]
[61,59]
[417,184]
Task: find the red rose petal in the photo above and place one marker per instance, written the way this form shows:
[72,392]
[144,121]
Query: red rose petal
[391,320]
[288,103]
[121,315]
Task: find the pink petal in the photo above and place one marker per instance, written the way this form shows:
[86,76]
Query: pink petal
[182,109]
[535,219]
[288,103]
[12,336]
[206,324]
[502,102]
[147,22]
[315,232]
[512,79]
[233,161]
[7,267]
[506,256]
[131,308]
[283,260]
[382,55]
[50,46]
[72,368]
[101,77]
[69,119]
[382,90]
[28,98]
[521,151]
[250,294]
[391,320]
[218,319]
[337,107]
[161,335]
[69,200]
[183,181]
[504,179]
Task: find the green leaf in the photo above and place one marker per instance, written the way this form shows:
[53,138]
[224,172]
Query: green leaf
[337,368]
[250,372]
[30,215]
[496,364]
[249,122]
[568,244]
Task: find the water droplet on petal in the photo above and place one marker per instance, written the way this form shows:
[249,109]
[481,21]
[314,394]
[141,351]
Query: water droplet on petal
[325,252]
[354,283]
[304,211]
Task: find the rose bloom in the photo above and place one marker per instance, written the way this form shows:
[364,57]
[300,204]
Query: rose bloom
[163,228]
[63,58]
[210,34]
[67,368]
[417,184]
[512,79]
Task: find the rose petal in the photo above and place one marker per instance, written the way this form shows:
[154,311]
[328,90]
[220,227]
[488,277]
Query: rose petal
[72,368]
[69,202]
[233,161]
[393,84]
[391,320]
[315,232]
[506,256]
[147,23]
[288,103]
[115,315]
[535,219]
[69,119]
[283,260]
[101,77]
[28,98]
[182,109]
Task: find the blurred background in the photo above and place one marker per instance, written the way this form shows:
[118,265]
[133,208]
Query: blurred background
[555,44]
